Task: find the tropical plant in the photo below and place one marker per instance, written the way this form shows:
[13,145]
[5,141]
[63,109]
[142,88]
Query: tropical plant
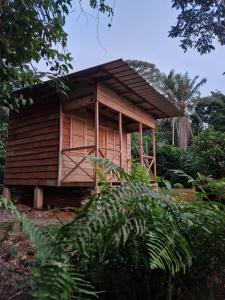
[207,150]
[184,90]
[169,158]
[139,173]
[54,275]
[129,241]
[209,112]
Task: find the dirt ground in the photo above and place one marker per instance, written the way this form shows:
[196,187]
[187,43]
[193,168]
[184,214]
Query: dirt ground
[39,217]
[16,251]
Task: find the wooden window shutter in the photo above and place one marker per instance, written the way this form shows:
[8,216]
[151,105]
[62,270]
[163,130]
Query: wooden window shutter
[78,133]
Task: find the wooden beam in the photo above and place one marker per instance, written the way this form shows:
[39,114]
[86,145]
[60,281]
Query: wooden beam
[75,104]
[6,193]
[154,150]
[60,143]
[126,83]
[78,90]
[132,127]
[121,138]
[38,197]
[140,144]
[96,139]
[120,104]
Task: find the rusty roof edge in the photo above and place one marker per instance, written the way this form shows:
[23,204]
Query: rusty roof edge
[93,70]
[166,97]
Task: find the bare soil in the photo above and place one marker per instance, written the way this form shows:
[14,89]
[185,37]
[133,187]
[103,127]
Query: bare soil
[17,253]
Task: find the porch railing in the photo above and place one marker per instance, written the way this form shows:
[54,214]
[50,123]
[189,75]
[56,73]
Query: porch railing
[70,154]
[149,163]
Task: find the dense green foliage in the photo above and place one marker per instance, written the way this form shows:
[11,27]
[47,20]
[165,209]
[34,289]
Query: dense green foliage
[200,24]
[206,155]
[209,111]
[169,158]
[215,190]
[130,243]
[53,274]
[33,31]
[208,150]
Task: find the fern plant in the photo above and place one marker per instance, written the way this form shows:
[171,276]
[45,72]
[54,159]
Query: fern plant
[139,173]
[54,276]
[126,236]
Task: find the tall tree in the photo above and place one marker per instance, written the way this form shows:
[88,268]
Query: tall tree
[148,71]
[200,24]
[209,112]
[32,31]
[184,90]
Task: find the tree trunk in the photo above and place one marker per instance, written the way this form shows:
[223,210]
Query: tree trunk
[173,131]
[183,132]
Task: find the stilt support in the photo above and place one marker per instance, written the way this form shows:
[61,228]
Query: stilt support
[141,144]
[6,193]
[38,197]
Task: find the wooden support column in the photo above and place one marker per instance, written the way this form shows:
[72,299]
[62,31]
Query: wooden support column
[6,193]
[38,197]
[96,139]
[141,143]
[154,151]
[121,138]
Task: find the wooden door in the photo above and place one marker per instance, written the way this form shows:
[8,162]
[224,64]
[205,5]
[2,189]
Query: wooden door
[103,140]
[78,133]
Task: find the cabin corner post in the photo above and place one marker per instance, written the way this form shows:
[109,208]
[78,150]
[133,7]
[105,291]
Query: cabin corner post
[121,138]
[141,143]
[38,197]
[60,144]
[154,150]
[6,193]
[96,138]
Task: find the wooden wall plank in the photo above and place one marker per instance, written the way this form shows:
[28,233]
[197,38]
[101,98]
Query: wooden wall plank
[33,145]
[113,142]
[27,182]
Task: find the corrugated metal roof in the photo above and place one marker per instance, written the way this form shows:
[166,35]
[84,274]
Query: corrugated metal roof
[120,77]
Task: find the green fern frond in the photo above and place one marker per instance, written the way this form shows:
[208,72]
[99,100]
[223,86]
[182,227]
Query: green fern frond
[54,276]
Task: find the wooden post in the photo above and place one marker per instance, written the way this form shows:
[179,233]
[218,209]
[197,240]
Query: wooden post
[140,144]
[38,197]
[96,138]
[6,193]
[154,151]
[121,138]
[60,144]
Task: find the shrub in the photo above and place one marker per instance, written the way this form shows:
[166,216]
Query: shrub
[169,158]
[139,173]
[214,190]
[131,243]
[207,149]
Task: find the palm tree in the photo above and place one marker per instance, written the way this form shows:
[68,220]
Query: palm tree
[185,91]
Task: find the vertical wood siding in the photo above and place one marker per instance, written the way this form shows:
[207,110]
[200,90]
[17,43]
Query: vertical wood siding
[84,123]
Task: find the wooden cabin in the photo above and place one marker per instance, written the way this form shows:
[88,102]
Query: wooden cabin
[49,140]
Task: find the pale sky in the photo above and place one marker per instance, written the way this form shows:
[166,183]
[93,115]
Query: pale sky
[140,31]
